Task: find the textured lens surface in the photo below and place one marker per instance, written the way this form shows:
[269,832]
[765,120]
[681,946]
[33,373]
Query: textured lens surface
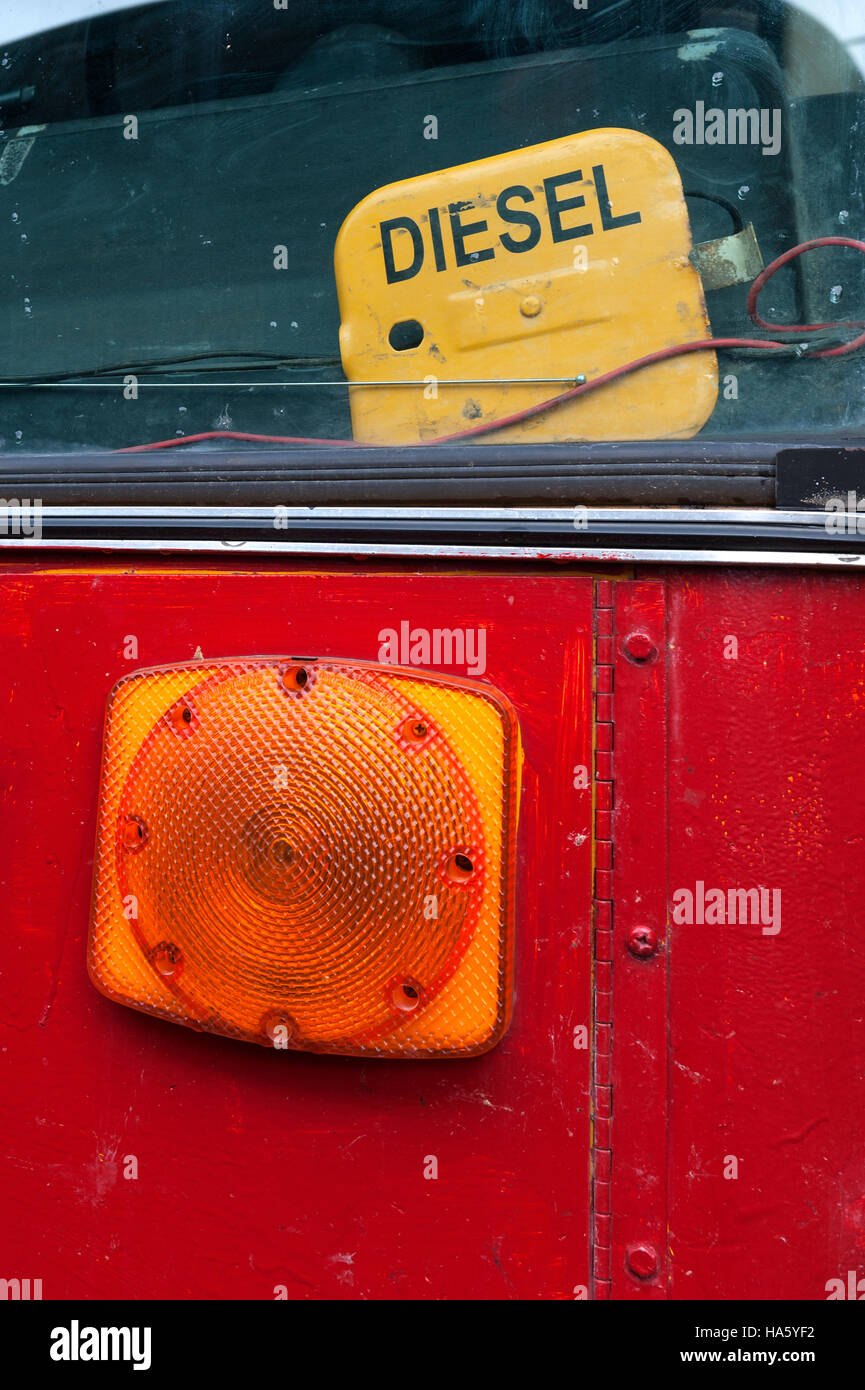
[309,855]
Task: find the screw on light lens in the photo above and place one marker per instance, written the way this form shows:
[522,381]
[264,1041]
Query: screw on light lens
[134,833]
[181,718]
[167,958]
[295,679]
[414,733]
[279,1028]
[406,995]
[459,868]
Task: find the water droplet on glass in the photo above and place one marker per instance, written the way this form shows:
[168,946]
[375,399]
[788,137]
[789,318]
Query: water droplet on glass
[294,323]
[19,434]
[835,294]
[843,215]
[15,217]
[744,191]
[23,236]
[717,79]
[4,62]
[273,323]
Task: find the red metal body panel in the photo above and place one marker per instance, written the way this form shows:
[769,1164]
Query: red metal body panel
[257,1169]
[738,1093]
[727,752]
[767,1031]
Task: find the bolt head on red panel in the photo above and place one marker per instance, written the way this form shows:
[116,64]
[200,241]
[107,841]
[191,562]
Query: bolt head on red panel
[640,647]
[642,941]
[641,1259]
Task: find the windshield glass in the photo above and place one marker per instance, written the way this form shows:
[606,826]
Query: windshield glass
[254,217]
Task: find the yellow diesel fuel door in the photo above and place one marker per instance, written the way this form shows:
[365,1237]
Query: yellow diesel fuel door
[495,285]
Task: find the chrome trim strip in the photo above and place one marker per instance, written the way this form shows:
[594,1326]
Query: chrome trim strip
[506,515]
[661,534]
[556,553]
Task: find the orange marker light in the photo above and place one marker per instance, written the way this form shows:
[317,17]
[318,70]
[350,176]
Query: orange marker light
[310,855]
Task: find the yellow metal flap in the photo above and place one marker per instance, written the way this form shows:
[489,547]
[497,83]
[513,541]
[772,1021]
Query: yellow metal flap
[513,276]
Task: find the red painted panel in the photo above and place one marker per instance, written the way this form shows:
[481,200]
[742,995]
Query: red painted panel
[767,1028]
[733,761]
[259,1169]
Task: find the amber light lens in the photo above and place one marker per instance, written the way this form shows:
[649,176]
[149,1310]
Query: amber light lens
[309,855]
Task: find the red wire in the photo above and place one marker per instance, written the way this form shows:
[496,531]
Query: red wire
[662,355]
[766,275]
[678,350]
[233,434]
